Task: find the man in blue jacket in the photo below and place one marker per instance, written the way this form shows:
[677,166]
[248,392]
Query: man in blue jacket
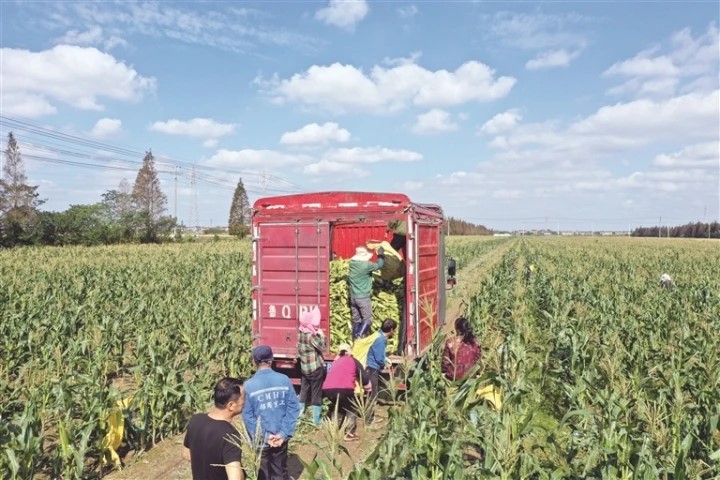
[376,362]
[272,410]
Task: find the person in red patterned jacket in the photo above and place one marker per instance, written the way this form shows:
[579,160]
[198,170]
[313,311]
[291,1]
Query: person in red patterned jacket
[462,351]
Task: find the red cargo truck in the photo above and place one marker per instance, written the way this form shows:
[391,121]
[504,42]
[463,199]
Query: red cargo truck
[296,236]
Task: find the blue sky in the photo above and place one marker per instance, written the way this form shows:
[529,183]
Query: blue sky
[511,114]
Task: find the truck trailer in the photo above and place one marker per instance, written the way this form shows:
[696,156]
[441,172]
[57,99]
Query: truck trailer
[294,239]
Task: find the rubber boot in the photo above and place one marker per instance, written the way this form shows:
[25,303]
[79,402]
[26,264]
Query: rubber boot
[302,409]
[316,413]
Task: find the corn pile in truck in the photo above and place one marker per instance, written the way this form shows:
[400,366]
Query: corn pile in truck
[387,296]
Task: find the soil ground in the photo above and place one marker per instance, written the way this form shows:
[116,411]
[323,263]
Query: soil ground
[164,461]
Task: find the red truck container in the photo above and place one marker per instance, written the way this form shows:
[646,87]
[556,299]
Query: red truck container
[296,236]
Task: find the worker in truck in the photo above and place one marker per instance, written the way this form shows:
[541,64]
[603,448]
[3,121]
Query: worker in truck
[310,345]
[361,281]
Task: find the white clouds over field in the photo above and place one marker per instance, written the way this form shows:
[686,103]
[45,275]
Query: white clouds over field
[343,88]
[35,83]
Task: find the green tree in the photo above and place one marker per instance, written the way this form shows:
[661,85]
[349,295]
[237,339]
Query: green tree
[121,213]
[240,212]
[19,201]
[150,202]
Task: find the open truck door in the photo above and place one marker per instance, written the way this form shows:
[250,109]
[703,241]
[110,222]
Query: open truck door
[290,277]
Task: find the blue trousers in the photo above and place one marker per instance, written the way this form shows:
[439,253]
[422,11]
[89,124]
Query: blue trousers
[361,311]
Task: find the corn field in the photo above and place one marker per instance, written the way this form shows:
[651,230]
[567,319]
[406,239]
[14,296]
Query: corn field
[605,374]
[83,328]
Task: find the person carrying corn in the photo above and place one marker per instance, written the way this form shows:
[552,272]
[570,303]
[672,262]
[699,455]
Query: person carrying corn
[360,281]
[339,387]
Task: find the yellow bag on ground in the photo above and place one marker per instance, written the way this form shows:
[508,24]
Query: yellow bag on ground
[394,265]
[492,395]
[116,431]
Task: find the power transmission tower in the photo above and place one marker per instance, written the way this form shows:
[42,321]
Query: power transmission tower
[193,199]
[176,175]
[264,181]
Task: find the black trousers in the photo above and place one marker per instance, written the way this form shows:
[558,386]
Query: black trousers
[311,387]
[273,464]
[342,400]
[372,399]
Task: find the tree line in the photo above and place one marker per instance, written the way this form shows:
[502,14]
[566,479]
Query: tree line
[128,214]
[461,227]
[689,230]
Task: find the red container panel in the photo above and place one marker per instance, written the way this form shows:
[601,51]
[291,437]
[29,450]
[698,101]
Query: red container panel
[291,278]
[347,236]
[428,282]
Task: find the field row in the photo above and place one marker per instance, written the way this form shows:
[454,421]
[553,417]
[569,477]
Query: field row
[605,374]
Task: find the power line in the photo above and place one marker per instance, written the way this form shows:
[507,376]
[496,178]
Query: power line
[51,137]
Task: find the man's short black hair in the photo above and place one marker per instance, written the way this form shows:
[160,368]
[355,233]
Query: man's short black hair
[227,390]
[389,325]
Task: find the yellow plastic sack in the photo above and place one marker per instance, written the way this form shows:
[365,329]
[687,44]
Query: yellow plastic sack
[116,430]
[360,350]
[492,395]
[394,265]
[361,347]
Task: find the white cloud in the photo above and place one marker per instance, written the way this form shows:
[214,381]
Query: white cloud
[412,186]
[328,167]
[552,58]
[407,11]
[433,122]
[502,122]
[348,161]
[313,135]
[660,71]
[644,67]
[587,160]
[204,128]
[614,129]
[77,76]
[93,37]
[536,31]
[345,88]
[223,25]
[370,155]
[106,127]
[343,13]
[700,155]
[255,159]
[688,116]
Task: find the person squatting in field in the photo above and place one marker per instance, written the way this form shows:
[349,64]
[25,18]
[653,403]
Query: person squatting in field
[212,443]
[376,360]
[360,281]
[270,401]
[310,345]
[461,352]
[339,388]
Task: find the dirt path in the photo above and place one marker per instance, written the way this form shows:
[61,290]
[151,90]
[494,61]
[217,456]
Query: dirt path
[469,279]
[164,461]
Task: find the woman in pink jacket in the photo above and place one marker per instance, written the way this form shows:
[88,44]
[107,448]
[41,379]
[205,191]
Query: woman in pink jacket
[339,388]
